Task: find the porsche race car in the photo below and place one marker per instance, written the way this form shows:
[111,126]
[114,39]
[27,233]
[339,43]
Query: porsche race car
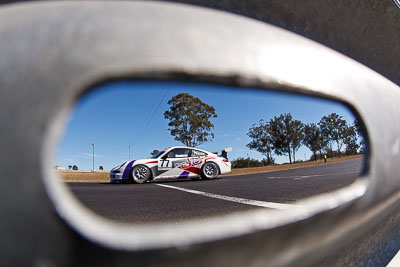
[175,162]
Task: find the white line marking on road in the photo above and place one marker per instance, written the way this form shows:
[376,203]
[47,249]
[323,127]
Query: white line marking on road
[298,177]
[264,204]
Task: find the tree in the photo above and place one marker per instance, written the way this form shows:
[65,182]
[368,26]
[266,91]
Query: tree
[358,128]
[313,139]
[155,151]
[286,135]
[75,168]
[247,162]
[351,140]
[333,128]
[101,168]
[69,167]
[190,119]
[297,137]
[261,140]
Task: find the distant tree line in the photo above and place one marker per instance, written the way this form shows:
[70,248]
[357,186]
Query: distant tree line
[75,167]
[248,163]
[284,135]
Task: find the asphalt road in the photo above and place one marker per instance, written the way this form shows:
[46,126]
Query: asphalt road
[159,202]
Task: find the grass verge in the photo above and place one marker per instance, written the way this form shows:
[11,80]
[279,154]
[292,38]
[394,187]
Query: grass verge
[288,166]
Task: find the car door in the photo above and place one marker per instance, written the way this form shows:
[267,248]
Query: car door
[197,158]
[168,165]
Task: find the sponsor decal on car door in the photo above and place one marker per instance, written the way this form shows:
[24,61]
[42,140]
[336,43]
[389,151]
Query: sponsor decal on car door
[169,166]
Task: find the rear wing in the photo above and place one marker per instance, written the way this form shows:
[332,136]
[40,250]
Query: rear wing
[224,152]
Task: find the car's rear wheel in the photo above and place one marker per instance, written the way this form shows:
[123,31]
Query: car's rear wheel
[140,174]
[209,170]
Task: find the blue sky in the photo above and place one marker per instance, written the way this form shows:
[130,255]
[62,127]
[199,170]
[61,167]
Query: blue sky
[123,114]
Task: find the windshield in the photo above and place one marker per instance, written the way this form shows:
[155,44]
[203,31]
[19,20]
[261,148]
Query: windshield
[157,155]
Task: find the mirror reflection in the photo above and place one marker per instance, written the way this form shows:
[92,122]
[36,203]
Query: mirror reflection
[156,152]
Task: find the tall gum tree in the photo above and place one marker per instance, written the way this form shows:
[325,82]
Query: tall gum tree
[261,140]
[313,139]
[190,119]
[333,128]
[286,135]
[358,128]
[351,140]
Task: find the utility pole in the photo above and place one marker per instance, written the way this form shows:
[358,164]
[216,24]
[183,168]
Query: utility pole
[93,155]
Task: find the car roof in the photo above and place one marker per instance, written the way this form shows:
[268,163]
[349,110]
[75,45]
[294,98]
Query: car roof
[173,147]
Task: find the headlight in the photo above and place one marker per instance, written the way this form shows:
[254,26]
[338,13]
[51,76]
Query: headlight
[117,169]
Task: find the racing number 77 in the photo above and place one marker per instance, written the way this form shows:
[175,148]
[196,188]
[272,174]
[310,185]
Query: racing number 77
[162,163]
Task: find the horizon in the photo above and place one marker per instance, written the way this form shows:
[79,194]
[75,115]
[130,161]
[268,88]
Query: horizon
[125,120]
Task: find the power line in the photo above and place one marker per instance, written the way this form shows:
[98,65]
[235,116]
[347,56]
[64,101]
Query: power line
[148,121]
[152,116]
[150,110]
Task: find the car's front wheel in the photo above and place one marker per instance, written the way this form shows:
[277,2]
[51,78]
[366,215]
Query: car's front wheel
[209,170]
[140,174]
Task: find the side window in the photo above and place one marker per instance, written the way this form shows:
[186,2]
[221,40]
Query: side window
[196,153]
[179,153]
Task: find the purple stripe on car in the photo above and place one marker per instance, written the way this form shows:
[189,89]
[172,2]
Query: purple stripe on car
[127,171]
[184,174]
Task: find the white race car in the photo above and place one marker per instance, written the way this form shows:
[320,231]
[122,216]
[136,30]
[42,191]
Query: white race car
[175,162]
